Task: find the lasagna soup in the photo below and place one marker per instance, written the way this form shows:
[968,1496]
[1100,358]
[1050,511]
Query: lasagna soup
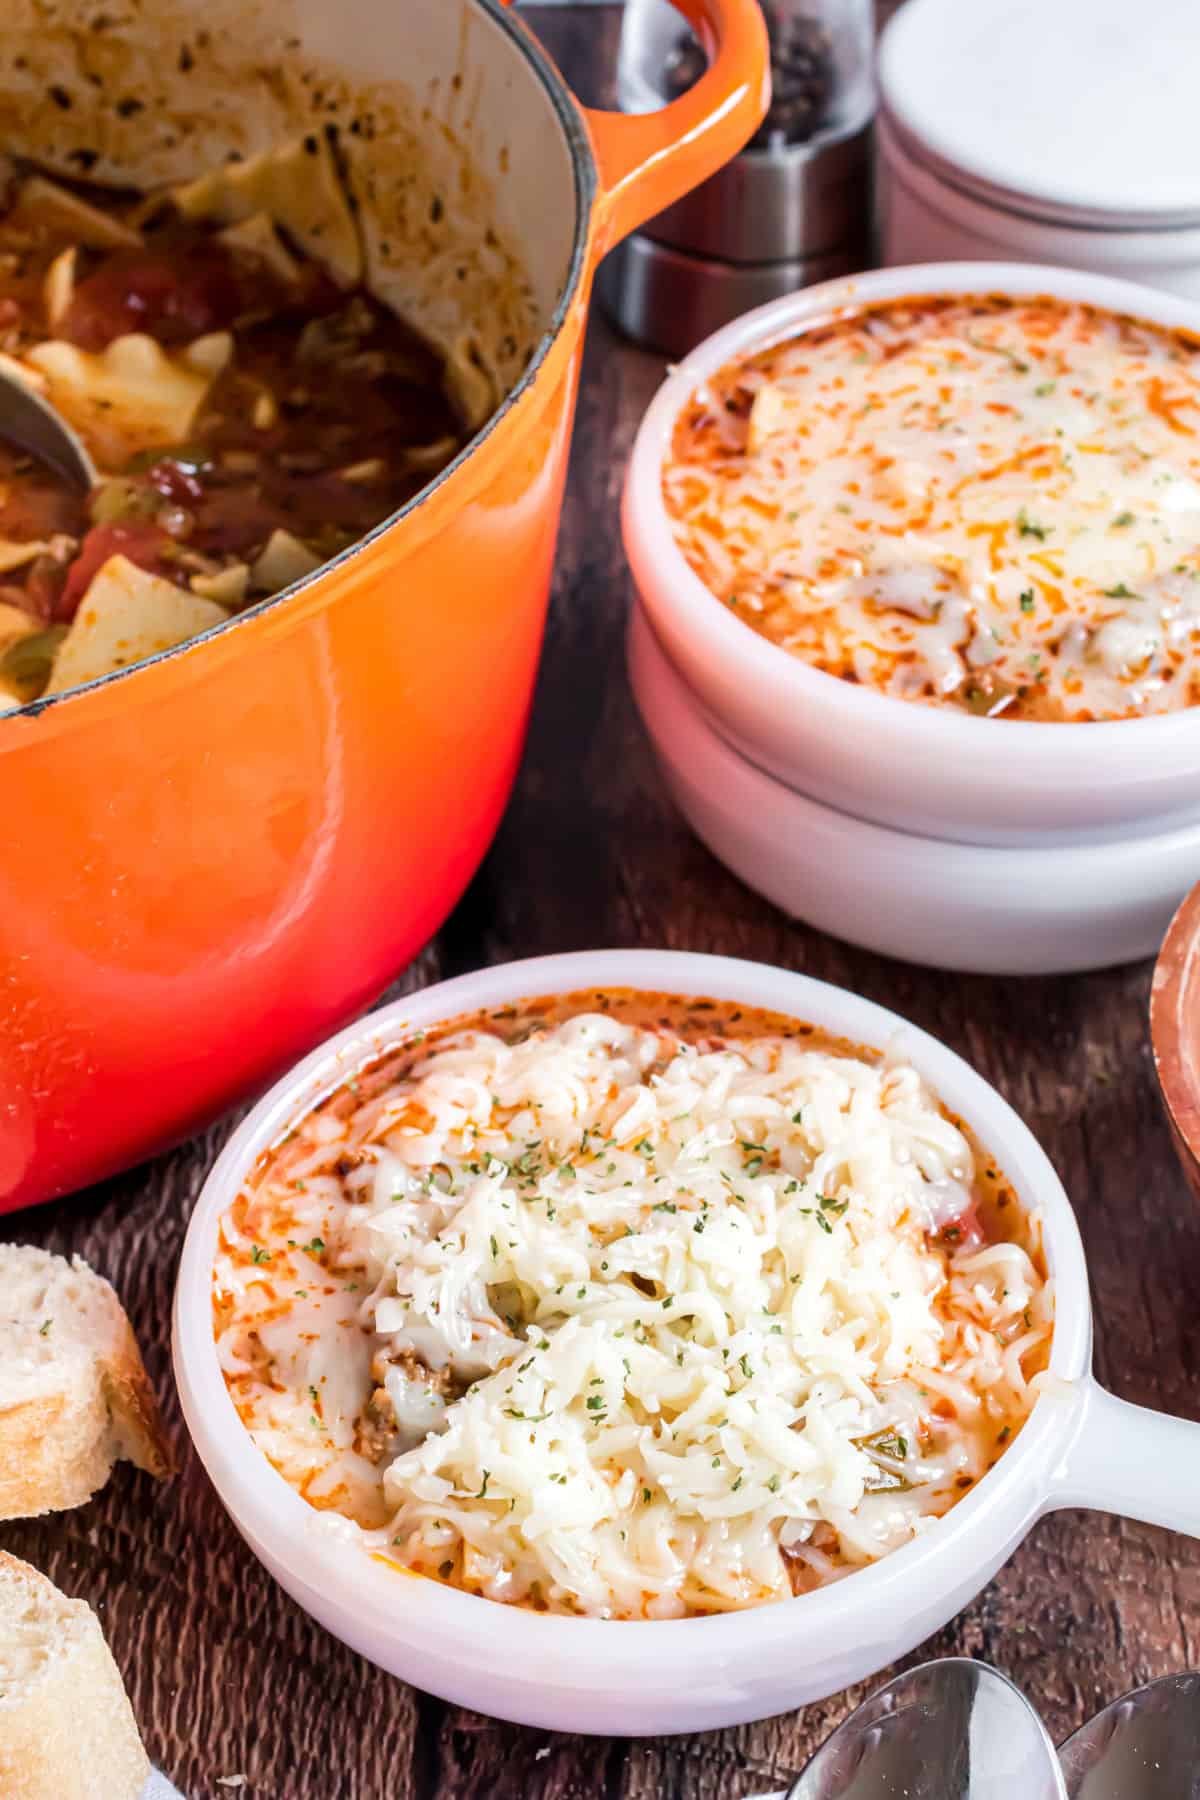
[981,502]
[250,407]
[631,1307]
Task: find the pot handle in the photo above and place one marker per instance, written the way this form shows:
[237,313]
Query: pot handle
[1129,1460]
[648,160]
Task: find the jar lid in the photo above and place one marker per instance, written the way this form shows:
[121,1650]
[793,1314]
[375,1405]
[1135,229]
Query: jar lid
[1082,111]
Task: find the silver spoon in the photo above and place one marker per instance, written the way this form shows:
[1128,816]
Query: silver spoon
[1145,1746]
[949,1730]
[32,424]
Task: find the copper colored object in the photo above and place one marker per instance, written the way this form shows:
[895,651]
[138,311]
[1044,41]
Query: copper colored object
[1175,1031]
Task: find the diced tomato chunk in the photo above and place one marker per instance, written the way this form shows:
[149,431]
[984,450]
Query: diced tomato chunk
[175,480]
[143,543]
[173,299]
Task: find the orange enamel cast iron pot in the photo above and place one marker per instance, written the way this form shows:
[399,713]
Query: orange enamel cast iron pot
[215,857]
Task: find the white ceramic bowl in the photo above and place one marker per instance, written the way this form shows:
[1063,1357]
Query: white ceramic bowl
[1080,1446]
[979,156]
[935,770]
[1045,909]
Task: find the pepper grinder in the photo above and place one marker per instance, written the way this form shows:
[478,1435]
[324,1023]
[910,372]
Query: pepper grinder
[795,207]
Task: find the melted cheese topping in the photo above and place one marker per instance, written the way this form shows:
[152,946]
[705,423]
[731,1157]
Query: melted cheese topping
[132,393]
[985,502]
[610,1322]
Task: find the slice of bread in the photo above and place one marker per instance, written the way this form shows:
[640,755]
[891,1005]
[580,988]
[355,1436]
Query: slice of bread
[66,1727]
[74,1395]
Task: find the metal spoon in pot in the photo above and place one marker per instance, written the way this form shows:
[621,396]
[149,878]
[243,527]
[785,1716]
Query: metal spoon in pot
[31,424]
[1145,1746]
[949,1730]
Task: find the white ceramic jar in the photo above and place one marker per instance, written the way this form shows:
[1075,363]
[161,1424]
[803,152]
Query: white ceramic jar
[1045,131]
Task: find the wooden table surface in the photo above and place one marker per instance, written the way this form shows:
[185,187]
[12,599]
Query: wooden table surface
[228,1677]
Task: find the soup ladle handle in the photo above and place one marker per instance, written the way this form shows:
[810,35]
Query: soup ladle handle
[1130,1460]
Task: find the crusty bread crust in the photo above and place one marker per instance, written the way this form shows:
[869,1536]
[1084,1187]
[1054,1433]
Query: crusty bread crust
[54,1453]
[58,1446]
[67,1730]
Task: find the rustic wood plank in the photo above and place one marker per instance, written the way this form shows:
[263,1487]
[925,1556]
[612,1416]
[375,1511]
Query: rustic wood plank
[228,1676]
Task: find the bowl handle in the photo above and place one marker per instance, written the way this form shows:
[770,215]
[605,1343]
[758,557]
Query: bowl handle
[647,160]
[1129,1460]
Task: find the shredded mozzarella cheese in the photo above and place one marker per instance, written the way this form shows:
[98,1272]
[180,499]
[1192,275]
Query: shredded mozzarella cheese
[611,1322]
[990,503]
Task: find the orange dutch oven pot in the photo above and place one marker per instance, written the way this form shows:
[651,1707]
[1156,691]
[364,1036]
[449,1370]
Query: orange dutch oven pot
[217,856]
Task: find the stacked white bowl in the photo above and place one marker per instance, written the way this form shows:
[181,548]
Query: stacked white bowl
[997,846]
